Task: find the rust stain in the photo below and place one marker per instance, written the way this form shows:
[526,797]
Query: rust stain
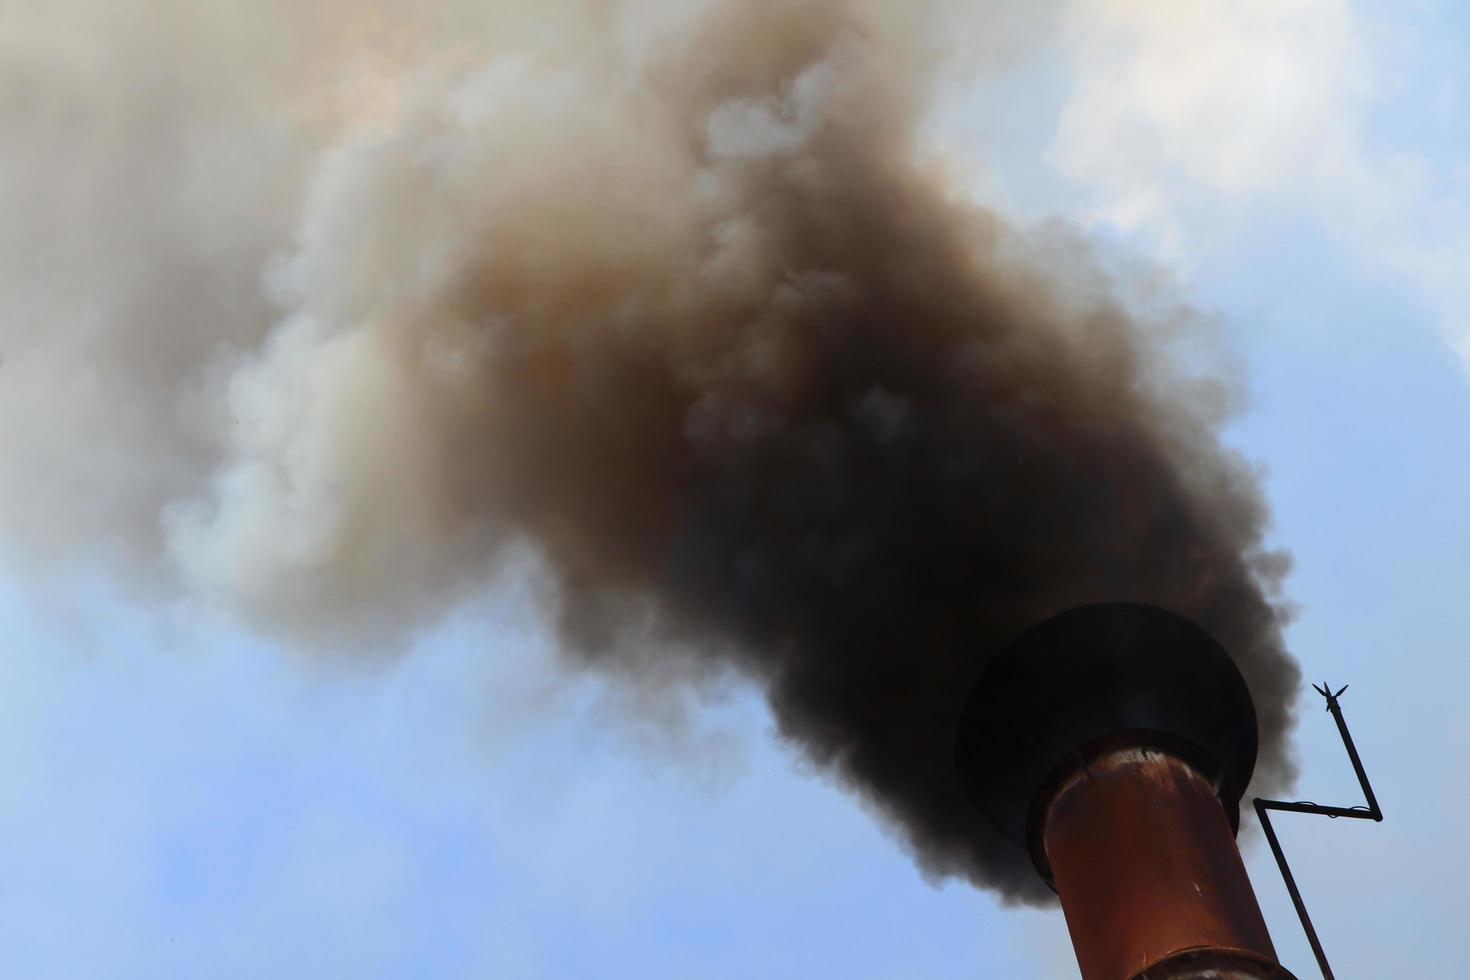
[1149,875]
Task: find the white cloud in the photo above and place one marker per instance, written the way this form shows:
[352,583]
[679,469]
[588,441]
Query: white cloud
[1185,120]
[1238,96]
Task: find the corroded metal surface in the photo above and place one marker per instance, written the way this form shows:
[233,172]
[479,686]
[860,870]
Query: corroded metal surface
[1216,964]
[1149,876]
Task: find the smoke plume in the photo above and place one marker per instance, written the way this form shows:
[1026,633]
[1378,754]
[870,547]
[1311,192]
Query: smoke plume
[315,314]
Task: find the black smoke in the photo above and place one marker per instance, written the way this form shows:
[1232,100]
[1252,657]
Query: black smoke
[681,298]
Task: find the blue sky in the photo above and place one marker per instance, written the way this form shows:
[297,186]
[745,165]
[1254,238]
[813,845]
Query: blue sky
[182,798]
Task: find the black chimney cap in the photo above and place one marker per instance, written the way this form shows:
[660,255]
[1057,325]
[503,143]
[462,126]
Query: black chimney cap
[1090,673]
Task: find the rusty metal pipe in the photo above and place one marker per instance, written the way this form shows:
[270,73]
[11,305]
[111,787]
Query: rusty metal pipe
[1150,879]
[1115,741]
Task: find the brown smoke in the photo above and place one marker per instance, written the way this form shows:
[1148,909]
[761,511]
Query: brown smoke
[669,293]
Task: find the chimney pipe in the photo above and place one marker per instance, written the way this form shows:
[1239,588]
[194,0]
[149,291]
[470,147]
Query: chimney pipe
[1114,741]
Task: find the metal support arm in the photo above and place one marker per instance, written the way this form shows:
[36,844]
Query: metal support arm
[1369,812]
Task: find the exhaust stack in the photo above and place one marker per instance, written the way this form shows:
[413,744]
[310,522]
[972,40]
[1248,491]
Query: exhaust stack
[1114,742]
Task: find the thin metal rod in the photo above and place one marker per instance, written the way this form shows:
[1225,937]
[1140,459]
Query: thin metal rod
[1352,750]
[1291,888]
[1369,812]
[1352,812]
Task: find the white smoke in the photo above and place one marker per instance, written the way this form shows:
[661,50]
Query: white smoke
[234,234]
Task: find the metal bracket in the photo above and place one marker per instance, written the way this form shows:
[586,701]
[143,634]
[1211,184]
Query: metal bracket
[1369,812]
